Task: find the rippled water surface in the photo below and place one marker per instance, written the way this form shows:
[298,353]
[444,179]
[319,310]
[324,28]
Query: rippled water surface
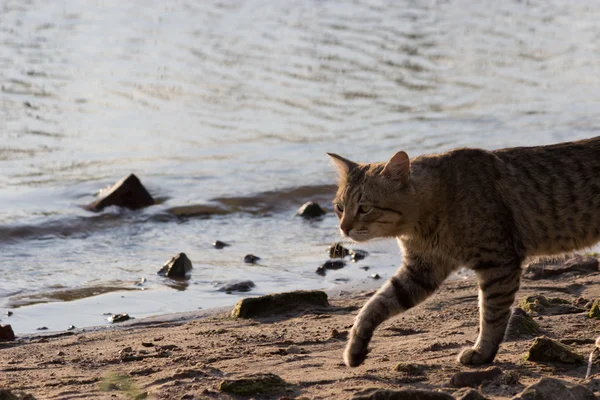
[233,104]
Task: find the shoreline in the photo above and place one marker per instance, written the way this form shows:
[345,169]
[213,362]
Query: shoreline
[175,358]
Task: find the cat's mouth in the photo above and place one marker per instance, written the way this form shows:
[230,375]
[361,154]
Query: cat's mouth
[360,235]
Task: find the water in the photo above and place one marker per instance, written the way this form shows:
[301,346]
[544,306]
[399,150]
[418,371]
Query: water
[230,100]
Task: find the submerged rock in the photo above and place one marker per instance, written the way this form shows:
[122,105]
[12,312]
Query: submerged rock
[236,286]
[330,264]
[554,389]
[279,303]
[549,306]
[251,258]
[578,264]
[219,245]
[358,255]
[114,318]
[520,325]
[310,210]
[474,378]
[548,350]
[336,250]
[177,267]
[253,384]
[403,394]
[128,192]
[6,333]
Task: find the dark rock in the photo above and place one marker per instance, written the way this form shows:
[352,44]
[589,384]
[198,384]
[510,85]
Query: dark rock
[177,267]
[375,276]
[554,389]
[6,333]
[128,192]
[251,258]
[6,394]
[71,327]
[114,318]
[279,303]
[147,344]
[336,250]
[404,394]
[578,264]
[236,286]
[42,328]
[9,313]
[474,378]
[410,368]
[472,394]
[549,306]
[548,350]
[358,255]
[310,210]
[520,325]
[330,264]
[365,268]
[219,245]
[253,384]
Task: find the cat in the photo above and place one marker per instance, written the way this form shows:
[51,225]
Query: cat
[485,210]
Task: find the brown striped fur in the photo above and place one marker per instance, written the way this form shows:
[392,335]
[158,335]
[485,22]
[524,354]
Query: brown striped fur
[484,210]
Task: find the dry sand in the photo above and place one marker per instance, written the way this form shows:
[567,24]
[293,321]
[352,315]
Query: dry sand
[188,360]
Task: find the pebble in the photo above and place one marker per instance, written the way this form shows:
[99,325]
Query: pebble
[251,258]
[375,276]
[219,245]
[114,318]
[9,313]
[554,389]
[310,210]
[179,266]
[42,328]
[474,378]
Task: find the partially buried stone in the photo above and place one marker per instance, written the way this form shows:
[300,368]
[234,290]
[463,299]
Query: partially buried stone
[520,324]
[219,245]
[252,307]
[237,286]
[471,394]
[548,350]
[554,389]
[251,258]
[548,306]
[358,255]
[114,318]
[6,333]
[253,384]
[336,250]
[310,210]
[177,267]
[128,192]
[474,378]
[576,265]
[403,394]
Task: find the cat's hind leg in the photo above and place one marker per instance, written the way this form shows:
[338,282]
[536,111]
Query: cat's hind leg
[416,280]
[498,285]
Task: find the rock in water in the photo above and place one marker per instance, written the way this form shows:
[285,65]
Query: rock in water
[310,210]
[548,350]
[330,264]
[219,245]
[251,258]
[114,318]
[128,192]
[179,266]
[520,325]
[279,303]
[474,378]
[236,286]
[253,384]
[553,389]
[336,250]
[6,333]
[358,255]
[404,394]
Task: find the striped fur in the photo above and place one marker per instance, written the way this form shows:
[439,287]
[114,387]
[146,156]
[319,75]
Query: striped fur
[485,210]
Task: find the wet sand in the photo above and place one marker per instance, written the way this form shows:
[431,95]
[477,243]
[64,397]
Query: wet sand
[188,359]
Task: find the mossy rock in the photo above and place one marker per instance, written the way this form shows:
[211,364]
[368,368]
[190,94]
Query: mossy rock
[549,306]
[595,310]
[276,303]
[253,384]
[548,350]
[520,325]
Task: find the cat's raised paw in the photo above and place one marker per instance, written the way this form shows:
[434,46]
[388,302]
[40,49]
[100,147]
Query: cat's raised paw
[472,356]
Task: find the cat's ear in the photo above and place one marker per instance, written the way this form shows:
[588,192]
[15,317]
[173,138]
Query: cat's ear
[398,167]
[344,166]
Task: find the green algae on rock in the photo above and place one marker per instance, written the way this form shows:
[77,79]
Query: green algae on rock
[595,310]
[548,350]
[549,306]
[278,303]
[253,384]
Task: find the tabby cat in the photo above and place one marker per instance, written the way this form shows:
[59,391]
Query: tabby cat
[484,210]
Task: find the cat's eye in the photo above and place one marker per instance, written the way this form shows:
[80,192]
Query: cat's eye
[339,208]
[365,208]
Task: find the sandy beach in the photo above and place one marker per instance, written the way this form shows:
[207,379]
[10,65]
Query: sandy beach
[191,359]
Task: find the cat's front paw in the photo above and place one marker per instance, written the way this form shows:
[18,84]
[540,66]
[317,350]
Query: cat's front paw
[471,356]
[355,353]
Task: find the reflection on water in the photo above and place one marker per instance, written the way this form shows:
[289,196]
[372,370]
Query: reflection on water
[225,110]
